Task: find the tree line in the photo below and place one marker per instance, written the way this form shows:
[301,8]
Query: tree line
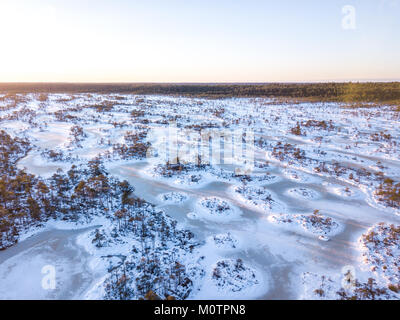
[378,92]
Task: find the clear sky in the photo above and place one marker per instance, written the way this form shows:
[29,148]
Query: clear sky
[199,41]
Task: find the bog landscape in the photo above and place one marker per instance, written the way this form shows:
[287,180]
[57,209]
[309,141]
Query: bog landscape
[278,191]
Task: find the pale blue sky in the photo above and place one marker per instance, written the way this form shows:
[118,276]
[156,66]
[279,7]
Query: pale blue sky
[198,41]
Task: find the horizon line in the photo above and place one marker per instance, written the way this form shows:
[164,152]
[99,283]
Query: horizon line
[202,82]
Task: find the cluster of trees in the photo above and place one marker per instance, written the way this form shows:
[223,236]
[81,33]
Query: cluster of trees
[17,203]
[177,167]
[154,263]
[382,136]
[78,134]
[297,130]
[367,291]
[53,155]
[23,114]
[27,200]
[324,125]
[62,115]
[317,220]
[11,100]
[105,106]
[233,275]
[134,146]
[282,151]
[389,193]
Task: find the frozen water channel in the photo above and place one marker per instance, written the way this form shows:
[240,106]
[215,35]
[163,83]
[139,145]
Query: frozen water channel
[22,273]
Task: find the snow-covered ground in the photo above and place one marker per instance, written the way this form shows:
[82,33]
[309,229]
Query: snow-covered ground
[255,233]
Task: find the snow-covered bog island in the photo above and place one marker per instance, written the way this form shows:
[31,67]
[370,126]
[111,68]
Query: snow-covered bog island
[90,195]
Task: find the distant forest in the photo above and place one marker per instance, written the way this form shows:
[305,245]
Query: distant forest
[378,92]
